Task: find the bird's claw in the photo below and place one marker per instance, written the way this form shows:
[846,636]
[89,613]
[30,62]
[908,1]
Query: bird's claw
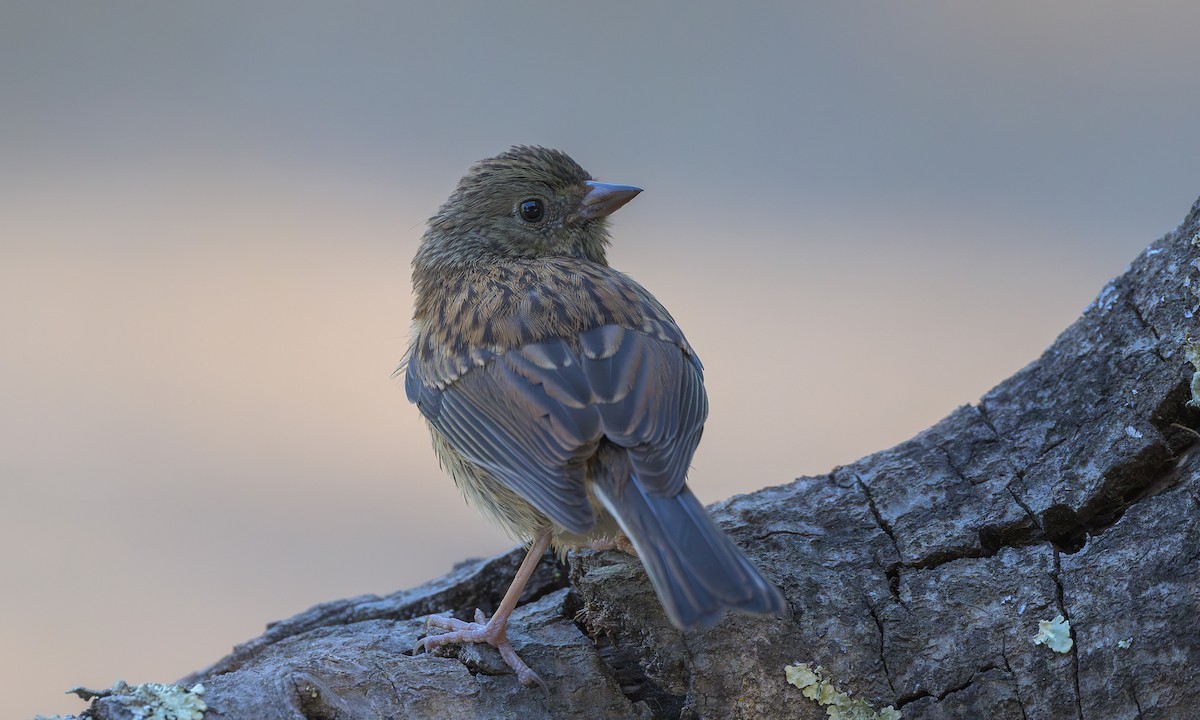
[480,631]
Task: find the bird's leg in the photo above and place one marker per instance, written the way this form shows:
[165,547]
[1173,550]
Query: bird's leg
[494,631]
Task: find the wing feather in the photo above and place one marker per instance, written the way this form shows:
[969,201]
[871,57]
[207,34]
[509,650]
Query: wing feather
[535,415]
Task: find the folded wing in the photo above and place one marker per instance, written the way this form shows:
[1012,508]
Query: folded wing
[534,416]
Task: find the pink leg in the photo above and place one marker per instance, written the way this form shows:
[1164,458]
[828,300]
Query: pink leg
[495,631]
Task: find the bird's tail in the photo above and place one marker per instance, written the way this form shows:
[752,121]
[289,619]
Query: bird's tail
[695,569]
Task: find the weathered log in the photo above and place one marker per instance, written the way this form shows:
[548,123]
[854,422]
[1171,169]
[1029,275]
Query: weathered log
[917,576]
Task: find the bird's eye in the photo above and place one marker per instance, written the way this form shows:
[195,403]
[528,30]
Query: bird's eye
[532,210]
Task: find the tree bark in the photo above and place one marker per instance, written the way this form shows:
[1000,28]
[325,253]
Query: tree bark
[916,576]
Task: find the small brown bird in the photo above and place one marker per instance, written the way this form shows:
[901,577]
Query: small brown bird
[562,397]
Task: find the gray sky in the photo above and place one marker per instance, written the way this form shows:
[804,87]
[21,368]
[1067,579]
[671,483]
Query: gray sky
[862,213]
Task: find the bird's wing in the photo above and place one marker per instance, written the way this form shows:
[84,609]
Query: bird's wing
[534,416]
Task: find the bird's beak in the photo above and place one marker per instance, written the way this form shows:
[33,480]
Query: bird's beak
[604,199]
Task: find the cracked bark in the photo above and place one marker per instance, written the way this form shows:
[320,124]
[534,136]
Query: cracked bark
[916,575]
[1066,613]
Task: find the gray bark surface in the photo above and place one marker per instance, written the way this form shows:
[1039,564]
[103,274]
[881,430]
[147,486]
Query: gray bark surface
[917,575]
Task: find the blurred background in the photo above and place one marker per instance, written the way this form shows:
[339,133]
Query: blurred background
[862,213]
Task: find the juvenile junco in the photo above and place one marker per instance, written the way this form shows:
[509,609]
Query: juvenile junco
[562,397]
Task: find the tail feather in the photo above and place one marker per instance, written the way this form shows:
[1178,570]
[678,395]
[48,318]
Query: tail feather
[695,569]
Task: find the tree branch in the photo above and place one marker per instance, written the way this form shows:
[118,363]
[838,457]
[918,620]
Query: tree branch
[916,575]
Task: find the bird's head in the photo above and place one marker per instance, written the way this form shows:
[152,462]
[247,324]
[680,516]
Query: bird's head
[528,202]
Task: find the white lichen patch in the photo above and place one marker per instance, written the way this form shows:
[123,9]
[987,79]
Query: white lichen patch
[1105,300]
[815,685]
[1054,634]
[1191,351]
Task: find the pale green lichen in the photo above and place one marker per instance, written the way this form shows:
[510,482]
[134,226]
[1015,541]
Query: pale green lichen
[1054,634]
[815,685]
[154,701]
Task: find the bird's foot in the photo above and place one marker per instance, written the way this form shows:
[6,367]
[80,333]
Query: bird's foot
[492,632]
[620,542]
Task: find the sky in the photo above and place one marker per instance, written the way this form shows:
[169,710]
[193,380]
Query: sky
[863,214]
